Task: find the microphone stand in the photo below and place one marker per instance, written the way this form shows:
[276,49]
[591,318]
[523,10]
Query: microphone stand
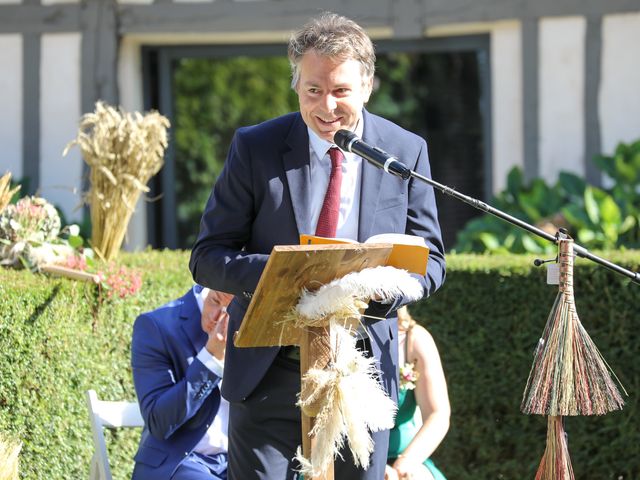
[579,250]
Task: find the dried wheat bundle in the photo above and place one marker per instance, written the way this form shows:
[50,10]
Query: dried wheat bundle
[569,375]
[123,150]
[5,190]
[9,452]
[555,463]
[348,403]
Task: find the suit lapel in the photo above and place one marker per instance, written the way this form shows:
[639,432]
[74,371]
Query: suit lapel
[371,180]
[190,316]
[296,166]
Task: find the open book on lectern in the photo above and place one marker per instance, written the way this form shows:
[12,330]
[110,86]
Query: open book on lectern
[410,252]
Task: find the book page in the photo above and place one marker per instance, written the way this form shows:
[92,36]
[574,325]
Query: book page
[308,239]
[395,238]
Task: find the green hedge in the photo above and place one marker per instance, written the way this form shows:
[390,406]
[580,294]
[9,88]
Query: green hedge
[57,340]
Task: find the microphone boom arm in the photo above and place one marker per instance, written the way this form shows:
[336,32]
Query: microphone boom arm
[350,142]
[579,250]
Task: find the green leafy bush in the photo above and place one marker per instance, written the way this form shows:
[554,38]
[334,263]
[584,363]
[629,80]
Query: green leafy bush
[486,320]
[597,218]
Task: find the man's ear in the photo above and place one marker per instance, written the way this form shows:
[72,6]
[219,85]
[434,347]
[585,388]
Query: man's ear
[367,89]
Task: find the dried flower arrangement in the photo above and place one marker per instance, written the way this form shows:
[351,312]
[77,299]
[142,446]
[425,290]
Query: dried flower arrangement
[31,237]
[29,234]
[124,151]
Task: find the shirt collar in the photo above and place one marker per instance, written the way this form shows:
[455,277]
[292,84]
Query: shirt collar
[197,292]
[320,145]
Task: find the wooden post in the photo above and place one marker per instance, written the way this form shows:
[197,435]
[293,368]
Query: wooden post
[315,352]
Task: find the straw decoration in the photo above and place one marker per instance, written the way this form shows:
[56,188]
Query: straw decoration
[6,192]
[555,464]
[123,151]
[9,458]
[569,376]
[345,397]
[347,402]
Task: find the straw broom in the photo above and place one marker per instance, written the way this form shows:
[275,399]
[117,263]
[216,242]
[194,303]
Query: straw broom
[569,376]
[123,151]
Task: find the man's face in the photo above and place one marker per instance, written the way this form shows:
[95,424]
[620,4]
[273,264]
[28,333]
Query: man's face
[212,306]
[331,93]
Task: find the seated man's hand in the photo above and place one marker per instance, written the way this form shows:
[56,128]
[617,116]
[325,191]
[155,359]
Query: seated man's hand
[214,322]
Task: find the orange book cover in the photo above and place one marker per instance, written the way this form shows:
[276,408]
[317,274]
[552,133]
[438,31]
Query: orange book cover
[409,251]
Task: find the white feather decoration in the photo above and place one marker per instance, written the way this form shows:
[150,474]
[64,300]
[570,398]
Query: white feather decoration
[353,403]
[346,397]
[384,283]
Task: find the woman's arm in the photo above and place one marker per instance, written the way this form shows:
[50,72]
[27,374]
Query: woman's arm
[432,398]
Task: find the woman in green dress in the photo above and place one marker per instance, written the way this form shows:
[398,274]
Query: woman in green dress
[423,388]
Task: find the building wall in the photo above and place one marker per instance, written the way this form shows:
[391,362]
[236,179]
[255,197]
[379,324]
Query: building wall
[60,111]
[561,96]
[563,87]
[11,101]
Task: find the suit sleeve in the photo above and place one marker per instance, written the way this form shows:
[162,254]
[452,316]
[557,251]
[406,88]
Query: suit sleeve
[422,221]
[218,260]
[166,403]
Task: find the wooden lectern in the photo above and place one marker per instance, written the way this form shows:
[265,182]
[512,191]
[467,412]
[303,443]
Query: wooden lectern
[289,270]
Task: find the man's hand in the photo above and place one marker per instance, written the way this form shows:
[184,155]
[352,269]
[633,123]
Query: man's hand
[408,468]
[390,473]
[215,320]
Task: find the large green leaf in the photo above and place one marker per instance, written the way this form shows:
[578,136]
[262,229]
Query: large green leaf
[591,205]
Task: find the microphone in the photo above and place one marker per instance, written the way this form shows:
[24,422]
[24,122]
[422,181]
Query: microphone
[350,142]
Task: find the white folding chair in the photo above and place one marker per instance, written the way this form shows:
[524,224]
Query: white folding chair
[110,415]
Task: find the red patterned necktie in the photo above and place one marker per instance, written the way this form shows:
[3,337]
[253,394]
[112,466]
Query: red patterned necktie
[328,219]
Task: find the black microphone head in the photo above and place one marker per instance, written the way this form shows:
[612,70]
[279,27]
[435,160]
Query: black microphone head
[344,139]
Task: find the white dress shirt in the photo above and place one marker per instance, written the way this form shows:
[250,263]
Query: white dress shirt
[216,438]
[348,219]
[349,190]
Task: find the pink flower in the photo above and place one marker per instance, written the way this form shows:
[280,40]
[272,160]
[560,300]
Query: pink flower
[120,282]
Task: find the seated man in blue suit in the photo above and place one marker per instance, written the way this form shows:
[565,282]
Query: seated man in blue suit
[177,355]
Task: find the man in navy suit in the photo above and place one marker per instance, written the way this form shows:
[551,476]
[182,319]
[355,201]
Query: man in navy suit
[177,354]
[274,186]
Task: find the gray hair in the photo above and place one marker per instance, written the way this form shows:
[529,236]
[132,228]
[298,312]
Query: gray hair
[333,36]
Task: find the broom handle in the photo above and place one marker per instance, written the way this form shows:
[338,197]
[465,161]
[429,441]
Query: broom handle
[579,250]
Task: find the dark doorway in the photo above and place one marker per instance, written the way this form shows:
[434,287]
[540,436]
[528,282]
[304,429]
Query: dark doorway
[438,89]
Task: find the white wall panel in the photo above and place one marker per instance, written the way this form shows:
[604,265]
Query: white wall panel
[60,87]
[506,95]
[561,89]
[11,105]
[620,80]
[130,88]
